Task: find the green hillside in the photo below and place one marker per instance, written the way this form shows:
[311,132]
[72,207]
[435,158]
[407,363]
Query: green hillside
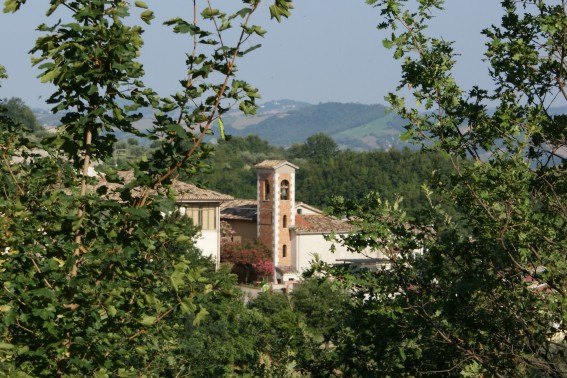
[286,122]
[382,133]
[351,125]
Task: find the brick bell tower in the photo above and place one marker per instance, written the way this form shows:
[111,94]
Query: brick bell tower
[276,207]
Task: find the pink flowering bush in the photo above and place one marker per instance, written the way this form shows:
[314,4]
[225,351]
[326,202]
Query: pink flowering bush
[251,256]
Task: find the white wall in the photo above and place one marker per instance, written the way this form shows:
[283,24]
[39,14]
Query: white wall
[208,242]
[305,245]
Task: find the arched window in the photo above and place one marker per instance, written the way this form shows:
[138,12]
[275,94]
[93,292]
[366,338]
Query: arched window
[284,251]
[284,222]
[266,190]
[285,190]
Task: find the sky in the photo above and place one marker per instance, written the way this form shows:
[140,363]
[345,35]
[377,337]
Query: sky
[328,51]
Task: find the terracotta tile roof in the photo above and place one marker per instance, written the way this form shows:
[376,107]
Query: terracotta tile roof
[239,209]
[273,164]
[320,223]
[185,192]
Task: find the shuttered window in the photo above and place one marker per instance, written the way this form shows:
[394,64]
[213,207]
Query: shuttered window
[203,216]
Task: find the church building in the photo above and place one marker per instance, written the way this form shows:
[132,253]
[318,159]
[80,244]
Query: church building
[293,231]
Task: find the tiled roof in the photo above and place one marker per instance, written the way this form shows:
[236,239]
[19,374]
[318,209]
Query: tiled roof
[190,192]
[273,164]
[185,192]
[319,223]
[239,209]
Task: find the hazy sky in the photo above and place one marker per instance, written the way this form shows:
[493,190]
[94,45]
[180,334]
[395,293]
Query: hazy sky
[329,50]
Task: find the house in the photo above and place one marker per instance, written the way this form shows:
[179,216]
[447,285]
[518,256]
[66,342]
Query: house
[293,231]
[201,205]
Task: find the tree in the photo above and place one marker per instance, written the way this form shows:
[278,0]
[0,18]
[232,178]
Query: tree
[488,295]
[21,113]
[95,280]
[133,142]
[318,148]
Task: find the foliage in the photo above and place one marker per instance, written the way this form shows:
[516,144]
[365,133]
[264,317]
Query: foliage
[297,328]
[225,343]
[317,148]
[21,113]
[231,165]
[253,256]
[487,297]
[322,303]
[353,174]
[282,334]
[325,171]
[96,280]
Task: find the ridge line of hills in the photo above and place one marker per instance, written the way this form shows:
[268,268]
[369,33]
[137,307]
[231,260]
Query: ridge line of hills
[283,123]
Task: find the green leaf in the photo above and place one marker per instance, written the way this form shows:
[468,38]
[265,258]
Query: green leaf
[10,6]
[111,310]
[141,4]
[6,346]
[209,13]
[281,8]
[187,306]
[147,16]
[177,279]
[148,320]
[200,315]
[50,76]
[221,127]
[387,43]
[404,137]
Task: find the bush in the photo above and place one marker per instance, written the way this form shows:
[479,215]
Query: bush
[252,259]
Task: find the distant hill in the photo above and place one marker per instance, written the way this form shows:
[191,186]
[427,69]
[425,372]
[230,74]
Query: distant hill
[287,122]
[283,123]
[354,126]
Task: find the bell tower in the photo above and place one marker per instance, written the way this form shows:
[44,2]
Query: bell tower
[276,208]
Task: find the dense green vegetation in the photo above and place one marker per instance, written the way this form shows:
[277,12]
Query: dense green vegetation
[21,114]
[232,166]
[326,171]
[488,296]
[94,286]
[96,281]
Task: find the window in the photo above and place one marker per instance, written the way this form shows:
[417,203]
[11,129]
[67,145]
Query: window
[284,251]
[203,216]
[285,190]
[284,222]
[266,190]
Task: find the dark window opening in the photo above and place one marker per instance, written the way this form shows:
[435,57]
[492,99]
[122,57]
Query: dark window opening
[266,190]
[285,190]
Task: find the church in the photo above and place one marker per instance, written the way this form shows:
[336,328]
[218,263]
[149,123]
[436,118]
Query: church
[293,231]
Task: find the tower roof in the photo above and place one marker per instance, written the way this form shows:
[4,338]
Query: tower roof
[274,164]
